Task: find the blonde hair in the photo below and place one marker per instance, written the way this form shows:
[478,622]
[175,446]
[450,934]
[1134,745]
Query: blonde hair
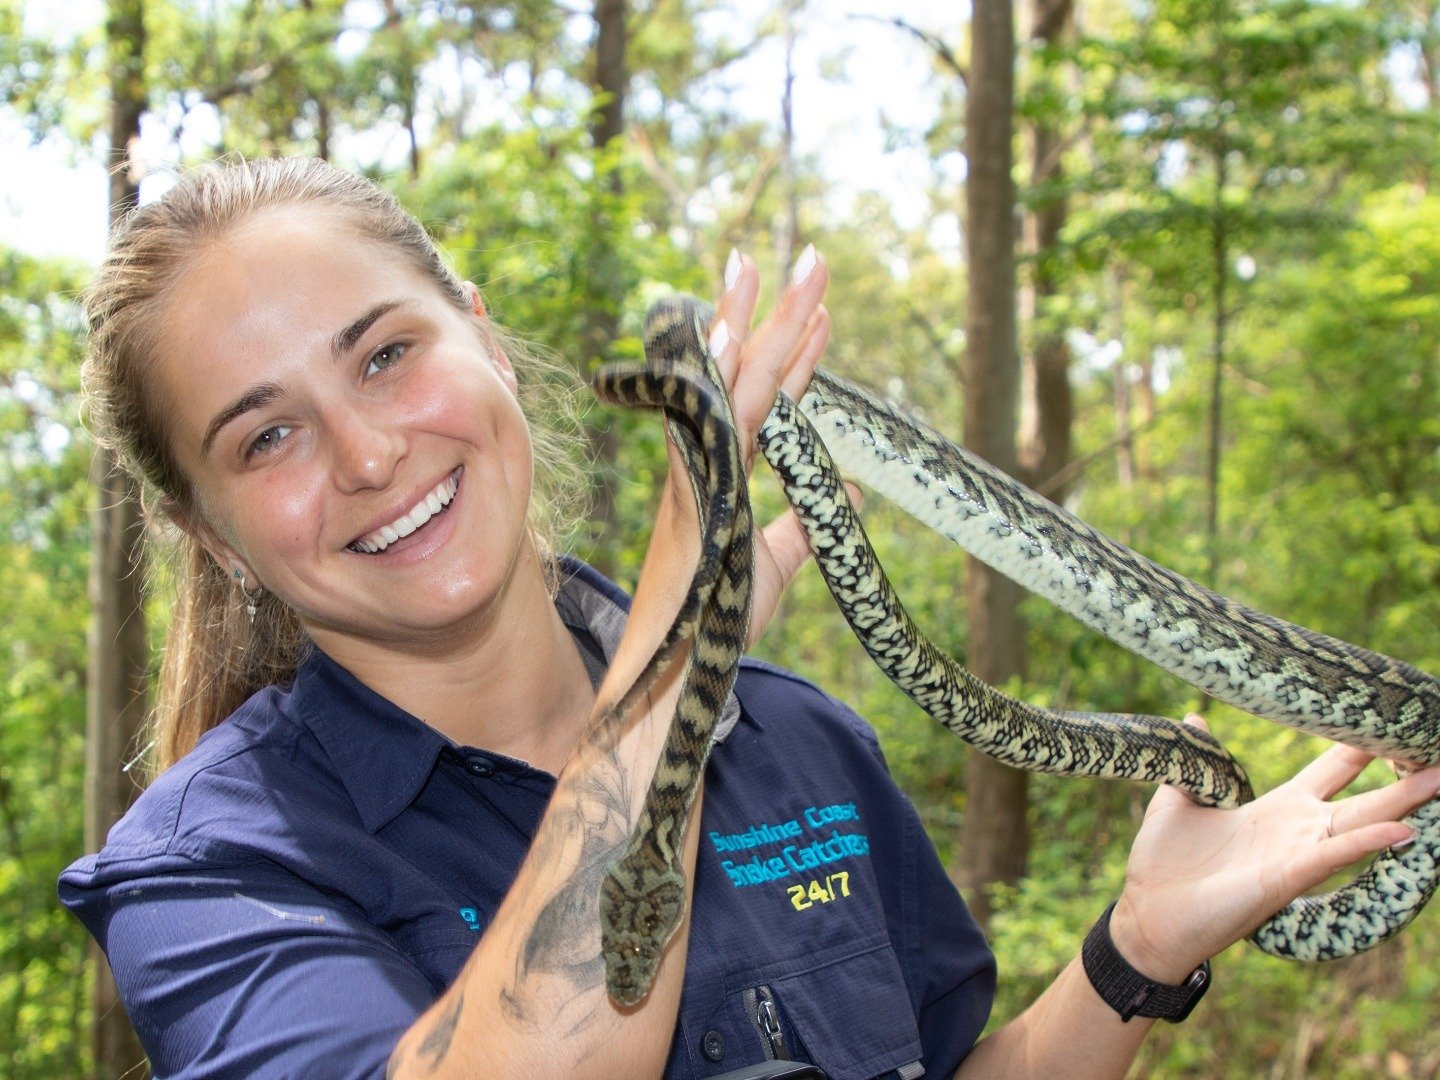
[215,655]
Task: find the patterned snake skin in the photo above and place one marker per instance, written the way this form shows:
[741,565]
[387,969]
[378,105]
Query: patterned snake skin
[1247,659]
[643,896]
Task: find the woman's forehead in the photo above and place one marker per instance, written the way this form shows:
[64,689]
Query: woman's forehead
[282,276]
[266,301]
[290,247]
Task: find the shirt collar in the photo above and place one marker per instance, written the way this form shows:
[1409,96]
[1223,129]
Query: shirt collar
[590,603]
[384,755]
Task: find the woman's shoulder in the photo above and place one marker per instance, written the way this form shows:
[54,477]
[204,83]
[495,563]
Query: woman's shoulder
[774,697]
[203,807]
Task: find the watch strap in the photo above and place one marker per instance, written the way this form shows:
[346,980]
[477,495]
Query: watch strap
[1130,993]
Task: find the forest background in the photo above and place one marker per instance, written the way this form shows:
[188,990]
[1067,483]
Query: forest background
[1176,262]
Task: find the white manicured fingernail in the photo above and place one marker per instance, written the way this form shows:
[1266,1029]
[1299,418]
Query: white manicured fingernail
[732,269]
[804,265]
[719,338]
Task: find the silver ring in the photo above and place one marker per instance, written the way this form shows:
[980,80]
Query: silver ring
[1330,826]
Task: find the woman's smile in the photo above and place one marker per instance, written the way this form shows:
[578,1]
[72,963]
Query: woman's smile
[419,527]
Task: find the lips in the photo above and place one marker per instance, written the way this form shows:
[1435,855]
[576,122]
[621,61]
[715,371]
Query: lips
[431,505]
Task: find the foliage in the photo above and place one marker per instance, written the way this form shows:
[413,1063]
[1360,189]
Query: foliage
[1281,119]
[43,537]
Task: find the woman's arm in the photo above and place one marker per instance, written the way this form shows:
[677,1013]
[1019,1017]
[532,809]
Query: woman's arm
[1198,880]
[531,999]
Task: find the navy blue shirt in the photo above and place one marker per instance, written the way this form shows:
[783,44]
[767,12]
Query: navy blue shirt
[288,899]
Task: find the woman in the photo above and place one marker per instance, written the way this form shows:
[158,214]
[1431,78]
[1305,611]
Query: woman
[386,858]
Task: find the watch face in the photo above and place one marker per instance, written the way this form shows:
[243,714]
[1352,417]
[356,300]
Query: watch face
[1196,986]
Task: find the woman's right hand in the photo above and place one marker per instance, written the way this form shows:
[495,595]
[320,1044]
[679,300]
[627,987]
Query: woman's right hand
[779,354]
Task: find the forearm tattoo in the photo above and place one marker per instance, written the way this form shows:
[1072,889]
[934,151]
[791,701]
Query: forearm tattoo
[593,810]
[437,1043]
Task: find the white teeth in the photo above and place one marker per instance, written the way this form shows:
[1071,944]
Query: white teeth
[406,524]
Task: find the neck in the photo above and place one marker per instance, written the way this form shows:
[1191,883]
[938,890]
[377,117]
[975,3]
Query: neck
[513,682]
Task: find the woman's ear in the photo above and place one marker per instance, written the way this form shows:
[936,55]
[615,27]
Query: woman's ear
[492,347]
[190,522]
[472,294]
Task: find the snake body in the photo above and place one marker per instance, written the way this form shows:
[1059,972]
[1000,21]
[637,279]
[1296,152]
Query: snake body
[1243,657]
[642,897]
[1253,661]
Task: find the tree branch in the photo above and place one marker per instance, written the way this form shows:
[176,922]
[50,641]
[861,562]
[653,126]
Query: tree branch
[1062,479]
[679,199]
[1050,20]
[927,328]
[942,52]
[753,190]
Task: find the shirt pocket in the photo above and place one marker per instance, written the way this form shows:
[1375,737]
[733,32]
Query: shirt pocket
[852,1017]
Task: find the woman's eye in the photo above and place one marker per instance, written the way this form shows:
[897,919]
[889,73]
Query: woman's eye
[384,357]
[267,440]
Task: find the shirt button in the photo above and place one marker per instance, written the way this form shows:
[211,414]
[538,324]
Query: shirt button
[479,766]
[713,1046]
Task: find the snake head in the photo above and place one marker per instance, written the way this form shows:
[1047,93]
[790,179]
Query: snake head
[634,927]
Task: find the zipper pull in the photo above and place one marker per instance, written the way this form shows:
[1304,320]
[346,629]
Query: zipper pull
[768,1017]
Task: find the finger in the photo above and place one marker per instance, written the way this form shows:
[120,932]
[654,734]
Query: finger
[737,307]
[773,343]
[803,361]
[723,346]
[1316,863]
[1170,799]
[795,376]
[1194,719]
[1331,772]
[785,539]
[779,554]
[1389,803]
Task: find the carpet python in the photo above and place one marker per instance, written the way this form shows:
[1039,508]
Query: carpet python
[1242,657]
[642,897]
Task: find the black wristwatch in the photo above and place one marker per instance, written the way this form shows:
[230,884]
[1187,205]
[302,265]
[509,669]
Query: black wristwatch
[1127,991]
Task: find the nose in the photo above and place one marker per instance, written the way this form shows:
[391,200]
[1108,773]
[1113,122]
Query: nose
[367,447]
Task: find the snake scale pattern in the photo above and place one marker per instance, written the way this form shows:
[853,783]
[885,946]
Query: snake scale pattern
[1245,658]
[642,898]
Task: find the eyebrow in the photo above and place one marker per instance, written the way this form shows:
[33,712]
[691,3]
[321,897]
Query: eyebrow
[346,339]
[262,394]
[256,397]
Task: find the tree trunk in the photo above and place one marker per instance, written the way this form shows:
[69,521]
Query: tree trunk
[1125,468]
[611,78]
[1048,443]
[322,106]
[116,693]
[1124,437]
[407,83]
[994,838]
[788,232]
[1220,258]
[610,83]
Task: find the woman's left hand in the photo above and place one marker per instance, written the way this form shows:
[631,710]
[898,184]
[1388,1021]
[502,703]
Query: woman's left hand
[778,354]
[1200,879]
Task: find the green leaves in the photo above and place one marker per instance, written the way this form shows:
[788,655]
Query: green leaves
[43,538]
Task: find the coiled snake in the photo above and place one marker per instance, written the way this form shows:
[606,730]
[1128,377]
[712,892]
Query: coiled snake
[1247,659]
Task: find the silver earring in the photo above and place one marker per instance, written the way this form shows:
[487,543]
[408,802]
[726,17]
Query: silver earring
[250,598]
